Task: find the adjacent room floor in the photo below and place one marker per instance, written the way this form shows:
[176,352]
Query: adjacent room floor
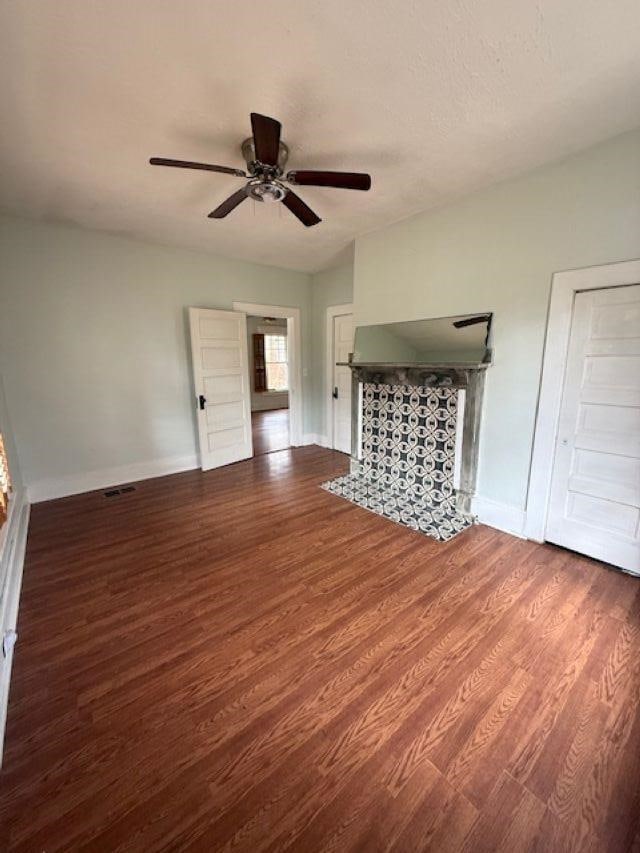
[239,658]
[270,431]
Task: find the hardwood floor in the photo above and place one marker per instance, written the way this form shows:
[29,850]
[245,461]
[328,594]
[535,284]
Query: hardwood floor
[240,660]
[270,431]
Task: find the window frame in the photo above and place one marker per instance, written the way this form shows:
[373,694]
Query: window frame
[282,357]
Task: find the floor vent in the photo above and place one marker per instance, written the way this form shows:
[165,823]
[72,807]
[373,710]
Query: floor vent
[111,493]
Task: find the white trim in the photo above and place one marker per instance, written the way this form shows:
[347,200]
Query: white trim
[281,331]
[333,311]
[16,500]
[294,350]
[358,453]
[564,286]
[314,438]
[14,544]
[505,517]
[89,481]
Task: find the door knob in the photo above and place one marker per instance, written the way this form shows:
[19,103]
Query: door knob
[201,401]
[335,392]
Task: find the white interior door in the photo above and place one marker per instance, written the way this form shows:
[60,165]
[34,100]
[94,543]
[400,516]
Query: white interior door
[221,379]
[594,506]
[341,385]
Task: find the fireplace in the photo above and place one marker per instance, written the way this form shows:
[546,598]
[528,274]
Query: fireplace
[415,428]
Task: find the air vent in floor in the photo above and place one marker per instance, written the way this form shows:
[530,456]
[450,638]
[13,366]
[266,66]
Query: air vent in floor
[111,493]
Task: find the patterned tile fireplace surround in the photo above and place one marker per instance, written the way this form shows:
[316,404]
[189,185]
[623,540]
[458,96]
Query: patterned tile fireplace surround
[415,445]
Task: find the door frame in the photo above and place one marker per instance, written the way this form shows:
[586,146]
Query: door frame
[294,356]
[564,286]
[332,312]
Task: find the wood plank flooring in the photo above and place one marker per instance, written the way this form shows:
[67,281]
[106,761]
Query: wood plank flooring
[239,660]
[270,431]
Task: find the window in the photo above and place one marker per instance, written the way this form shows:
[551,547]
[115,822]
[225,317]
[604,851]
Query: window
[275,351]
[5,484]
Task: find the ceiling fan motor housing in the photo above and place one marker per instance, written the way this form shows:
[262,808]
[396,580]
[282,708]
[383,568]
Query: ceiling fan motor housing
[255,167]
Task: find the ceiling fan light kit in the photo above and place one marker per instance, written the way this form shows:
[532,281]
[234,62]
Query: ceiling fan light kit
[266,157]
[270,191]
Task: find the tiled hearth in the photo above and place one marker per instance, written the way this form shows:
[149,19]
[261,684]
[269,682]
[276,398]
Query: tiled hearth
[405,470]
[417,514]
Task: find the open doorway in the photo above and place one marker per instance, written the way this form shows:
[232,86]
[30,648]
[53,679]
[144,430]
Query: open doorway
[268,347]
[224,381]
[291,317]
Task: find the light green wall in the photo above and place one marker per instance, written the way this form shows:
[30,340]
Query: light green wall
[496,251]
[330,287]
[94,343]
[93,336]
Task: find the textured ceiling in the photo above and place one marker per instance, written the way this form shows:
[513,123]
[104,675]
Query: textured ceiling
[434,99]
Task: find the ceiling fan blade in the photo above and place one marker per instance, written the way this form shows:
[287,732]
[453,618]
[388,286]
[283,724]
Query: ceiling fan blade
[187,164]
[230,204]
[300,209]
[266,138]
[341,180]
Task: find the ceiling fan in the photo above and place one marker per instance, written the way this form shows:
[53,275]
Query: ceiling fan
[266,157]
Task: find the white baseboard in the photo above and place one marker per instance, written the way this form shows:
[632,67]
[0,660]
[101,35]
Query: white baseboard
[314,438]
[266,401]
[89,481]
[14,542]
[504,517]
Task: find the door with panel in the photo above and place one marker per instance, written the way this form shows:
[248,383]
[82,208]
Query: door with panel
[221,380]
[594,505]
[341,385]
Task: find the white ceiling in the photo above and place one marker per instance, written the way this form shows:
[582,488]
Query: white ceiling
[433,98]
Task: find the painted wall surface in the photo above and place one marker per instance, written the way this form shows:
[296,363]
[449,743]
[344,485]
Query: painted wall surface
[330,287]
[264,401]
[496,251]
[94,342]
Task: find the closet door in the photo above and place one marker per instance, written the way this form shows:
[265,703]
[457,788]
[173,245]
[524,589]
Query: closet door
[341,402]
[594,506]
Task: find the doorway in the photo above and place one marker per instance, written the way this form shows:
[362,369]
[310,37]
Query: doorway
[222,373]
[275,375]
[339,345]
[267,345]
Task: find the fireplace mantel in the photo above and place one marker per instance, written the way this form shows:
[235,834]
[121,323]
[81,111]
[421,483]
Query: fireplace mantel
[456,375]
[466,376]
